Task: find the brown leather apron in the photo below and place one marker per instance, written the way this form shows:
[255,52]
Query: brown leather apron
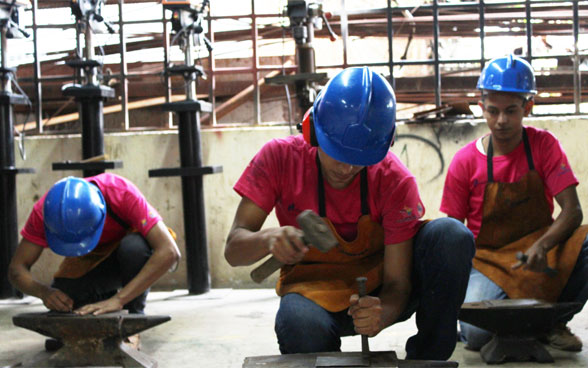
[515,215]
[328,279]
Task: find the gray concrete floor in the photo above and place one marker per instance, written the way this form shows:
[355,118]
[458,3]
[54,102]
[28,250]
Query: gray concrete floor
[222,327]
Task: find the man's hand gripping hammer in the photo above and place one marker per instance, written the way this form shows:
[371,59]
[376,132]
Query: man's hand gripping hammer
[316,233]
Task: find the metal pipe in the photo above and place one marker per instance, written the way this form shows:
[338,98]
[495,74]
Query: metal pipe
[577,75]
[529,29]
[390,30]
[6,84]
[344,32]
[193,202]
[92,119]
[37,72]
[256,92]
[124,88]
[168,92]
[212,72]
[482,10]
[8,208]
[91,78]
[436,53]
[189,61]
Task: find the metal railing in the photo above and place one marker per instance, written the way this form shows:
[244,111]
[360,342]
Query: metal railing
[479,8]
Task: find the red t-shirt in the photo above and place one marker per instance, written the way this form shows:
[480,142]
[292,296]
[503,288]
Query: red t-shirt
[283,175]
[121,196]
[463,194]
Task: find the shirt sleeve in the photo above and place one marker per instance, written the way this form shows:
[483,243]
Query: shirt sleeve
[34,230]
[401,217]
[259,180]
[557,172]
[456,191]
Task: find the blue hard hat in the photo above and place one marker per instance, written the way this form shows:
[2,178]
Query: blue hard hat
[355,117]
[74,212]
[508,74]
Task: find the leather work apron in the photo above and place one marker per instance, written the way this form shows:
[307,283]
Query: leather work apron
[515,215]
[328,279]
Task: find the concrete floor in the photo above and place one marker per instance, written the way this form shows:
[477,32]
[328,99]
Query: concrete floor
[222,327]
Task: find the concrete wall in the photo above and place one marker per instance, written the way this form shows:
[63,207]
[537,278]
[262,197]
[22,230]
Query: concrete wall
[426,149]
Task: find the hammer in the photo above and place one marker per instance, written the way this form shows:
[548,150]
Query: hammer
[316,232]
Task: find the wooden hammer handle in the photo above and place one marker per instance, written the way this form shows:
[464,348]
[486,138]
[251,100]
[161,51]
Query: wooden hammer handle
[268,267]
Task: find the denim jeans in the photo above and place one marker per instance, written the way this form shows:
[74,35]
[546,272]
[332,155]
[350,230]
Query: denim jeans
[442,257]
[114,272]
[482,288]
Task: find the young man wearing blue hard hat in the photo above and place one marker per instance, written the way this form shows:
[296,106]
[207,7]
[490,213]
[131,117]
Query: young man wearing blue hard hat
[342,169]
[503,185]
[115,243]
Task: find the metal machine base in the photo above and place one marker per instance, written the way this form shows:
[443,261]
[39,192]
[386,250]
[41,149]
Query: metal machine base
[377,359]
[90,341]
[517,325]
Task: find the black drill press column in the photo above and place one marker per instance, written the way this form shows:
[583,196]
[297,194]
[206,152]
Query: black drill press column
[191,171]
[186,21]
[8,209]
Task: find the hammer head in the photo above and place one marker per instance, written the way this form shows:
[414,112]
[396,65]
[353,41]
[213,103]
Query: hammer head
[316,231]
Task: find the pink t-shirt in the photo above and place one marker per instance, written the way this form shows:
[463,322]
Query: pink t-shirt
[121,196]
[283,175]
[463,194]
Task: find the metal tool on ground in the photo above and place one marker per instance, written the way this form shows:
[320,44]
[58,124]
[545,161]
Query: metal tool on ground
[316,232]
[548,270]
[89,341]
[345,359]
[379,359]
[517,325]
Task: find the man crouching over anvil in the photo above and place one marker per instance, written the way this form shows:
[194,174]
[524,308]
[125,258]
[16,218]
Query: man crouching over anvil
[115,243]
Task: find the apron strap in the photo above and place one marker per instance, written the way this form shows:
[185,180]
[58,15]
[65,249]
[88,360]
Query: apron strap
[365,206]
[111,213]
[490,153]
[528,150]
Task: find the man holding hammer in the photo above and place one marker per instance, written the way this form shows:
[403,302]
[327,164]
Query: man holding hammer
[342,169]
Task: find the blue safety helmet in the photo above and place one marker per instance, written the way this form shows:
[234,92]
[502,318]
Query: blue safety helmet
[74,212]
[508,74]
[355,117]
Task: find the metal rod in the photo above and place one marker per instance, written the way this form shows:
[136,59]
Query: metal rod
[482,10]
[390,30]
[189,61]
[529,29]
[166,46]
[344,32]
[577,75]
[6,83]
[124,87]
[400,9]
[436,53]
[256,92]
[37,72]
[211,72]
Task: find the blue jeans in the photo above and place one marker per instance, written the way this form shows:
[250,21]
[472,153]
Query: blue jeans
[114,272]
[442,258]
[482,288]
